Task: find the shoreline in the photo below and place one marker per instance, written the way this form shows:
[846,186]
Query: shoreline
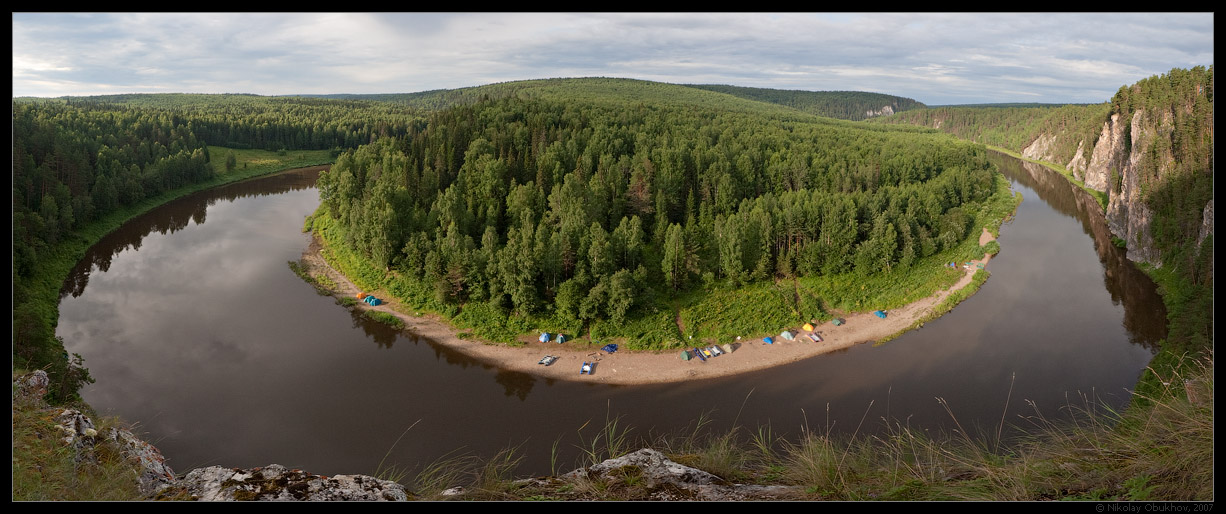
[650,367]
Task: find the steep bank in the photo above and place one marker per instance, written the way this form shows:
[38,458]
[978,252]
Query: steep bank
[1149,150]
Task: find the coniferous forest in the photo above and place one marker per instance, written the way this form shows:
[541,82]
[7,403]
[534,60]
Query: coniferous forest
[617,208]
[576,201]
[636,212]
[579,208]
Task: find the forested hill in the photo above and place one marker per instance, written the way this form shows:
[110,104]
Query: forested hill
[76,160]
[844,105]
[596,89]
[1013,127]
[597,200]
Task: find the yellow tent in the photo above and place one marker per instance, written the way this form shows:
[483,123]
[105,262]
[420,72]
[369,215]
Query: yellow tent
[808,326]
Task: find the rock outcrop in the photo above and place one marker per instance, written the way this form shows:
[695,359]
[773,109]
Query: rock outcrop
[1206,226]
[277,483]
[1127,213]
[1114,167]
[663,479]
[1040,148]
[885,110]
[157,480]
[642,475]
[1109,153]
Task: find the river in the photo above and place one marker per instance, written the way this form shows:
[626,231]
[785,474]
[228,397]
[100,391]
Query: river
[197,331]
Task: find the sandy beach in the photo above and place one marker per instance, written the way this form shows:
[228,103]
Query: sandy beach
[625,367]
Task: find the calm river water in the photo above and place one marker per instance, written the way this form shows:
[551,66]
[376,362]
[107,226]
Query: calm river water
[196,329]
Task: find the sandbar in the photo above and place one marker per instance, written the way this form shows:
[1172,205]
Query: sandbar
[650,367]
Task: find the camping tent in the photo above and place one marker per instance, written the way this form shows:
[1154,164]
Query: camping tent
[787,334]
[610,348]
[837,321]
[544,337]
[769,341]
[879,314]
[808,327]
[560,339]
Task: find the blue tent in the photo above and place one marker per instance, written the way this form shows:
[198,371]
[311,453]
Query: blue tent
[879,314]
[544,337]
[610,348]
[560,339]
[769,341]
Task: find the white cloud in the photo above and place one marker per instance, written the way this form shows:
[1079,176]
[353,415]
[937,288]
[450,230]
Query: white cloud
[934,58]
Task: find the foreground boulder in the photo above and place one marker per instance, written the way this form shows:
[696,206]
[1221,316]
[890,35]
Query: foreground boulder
[277,483]
[652,476]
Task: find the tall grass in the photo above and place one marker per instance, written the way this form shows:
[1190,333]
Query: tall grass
[45,468]
[1159,449]
[611,440]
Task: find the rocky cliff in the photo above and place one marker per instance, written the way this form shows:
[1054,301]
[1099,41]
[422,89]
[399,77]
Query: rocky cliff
[1138,152]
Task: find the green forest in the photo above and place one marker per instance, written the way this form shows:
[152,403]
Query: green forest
[618,209]
[559,208]
[844,105]
[610,206]
[80,162]
[642,213]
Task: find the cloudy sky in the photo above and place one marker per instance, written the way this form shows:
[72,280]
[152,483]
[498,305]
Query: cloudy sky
[934,58]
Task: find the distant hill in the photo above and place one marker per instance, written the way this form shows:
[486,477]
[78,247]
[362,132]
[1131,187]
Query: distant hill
[1008,104]
[601,89]
[845,105]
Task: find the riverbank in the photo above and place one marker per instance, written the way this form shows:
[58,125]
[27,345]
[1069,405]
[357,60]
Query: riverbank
[628,368]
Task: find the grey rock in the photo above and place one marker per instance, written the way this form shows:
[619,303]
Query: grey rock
[1206,224]
[30,387]
[155,474]
[1128,216]
[667,480]
[1107,154]
[278,483]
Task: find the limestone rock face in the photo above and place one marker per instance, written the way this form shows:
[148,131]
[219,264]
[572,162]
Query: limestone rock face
[1078,164]
[1108,154]
[277,483]
[885,110]
[1206,225]
[1040,148]
[1128,216]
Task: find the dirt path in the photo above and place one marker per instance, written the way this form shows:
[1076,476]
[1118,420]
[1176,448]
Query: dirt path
[651,367]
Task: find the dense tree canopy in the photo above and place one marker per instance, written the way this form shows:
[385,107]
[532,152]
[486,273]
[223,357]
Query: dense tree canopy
[586,203]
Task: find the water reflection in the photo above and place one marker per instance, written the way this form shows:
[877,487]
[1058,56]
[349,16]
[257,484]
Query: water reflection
[202,334]
[1144,312]
[176,216]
